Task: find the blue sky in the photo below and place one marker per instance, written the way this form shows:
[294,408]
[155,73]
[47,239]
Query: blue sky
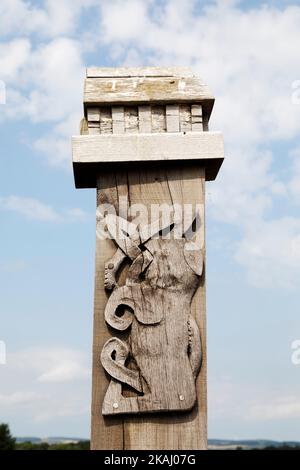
[247,52]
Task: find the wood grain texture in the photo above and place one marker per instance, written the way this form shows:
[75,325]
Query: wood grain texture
[93,114]
[145,119]
[147,115]
[144,147]
[131,117]
[158,119]
[92,153]
[83,127]
[126,72]
[187,430]
[164,340]
[105,120]
[145,90]
[178,431]
[172,117]
[197,118]
[185,118]
[118,119]
[106,433]
[93,130]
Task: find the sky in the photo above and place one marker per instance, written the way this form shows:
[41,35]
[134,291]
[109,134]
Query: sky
[248,54]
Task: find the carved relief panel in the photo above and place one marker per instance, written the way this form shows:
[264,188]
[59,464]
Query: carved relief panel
[159,358]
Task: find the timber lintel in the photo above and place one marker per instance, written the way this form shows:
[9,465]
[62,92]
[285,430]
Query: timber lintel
[94,153]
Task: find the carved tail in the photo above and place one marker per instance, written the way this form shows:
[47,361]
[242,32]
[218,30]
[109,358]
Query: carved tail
[115,367]
[121,297]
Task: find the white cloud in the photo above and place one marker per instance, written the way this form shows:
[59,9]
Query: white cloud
[56,146]
[252,84]
[43,384]
[113,24]
[250,402]
[52,407]
[277,408]
[248,59]
[17,15]
[270,251]
[243,192]
[30,208]
[36,210]
[13,56]
[63,18]
[17,398]
[75,214]
[44,84]
[51,19]
[53,365]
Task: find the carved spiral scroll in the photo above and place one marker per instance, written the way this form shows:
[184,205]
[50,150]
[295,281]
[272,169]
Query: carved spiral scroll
[115,367]
[120,298]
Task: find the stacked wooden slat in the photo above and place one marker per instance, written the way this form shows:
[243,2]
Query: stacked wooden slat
[145,119]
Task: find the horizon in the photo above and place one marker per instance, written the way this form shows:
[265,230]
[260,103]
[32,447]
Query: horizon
[247,54]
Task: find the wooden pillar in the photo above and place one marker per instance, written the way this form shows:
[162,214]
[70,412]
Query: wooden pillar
[147,144]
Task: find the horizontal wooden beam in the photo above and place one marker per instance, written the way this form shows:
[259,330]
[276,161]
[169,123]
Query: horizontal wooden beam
[111,148]
[125,72]
[145,90]
[93,153]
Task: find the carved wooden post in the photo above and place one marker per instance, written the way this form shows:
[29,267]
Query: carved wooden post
[148,152]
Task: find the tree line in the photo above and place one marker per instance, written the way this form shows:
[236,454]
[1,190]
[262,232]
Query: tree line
[8,442]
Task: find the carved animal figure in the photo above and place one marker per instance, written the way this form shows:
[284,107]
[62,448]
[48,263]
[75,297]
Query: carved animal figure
[162,357]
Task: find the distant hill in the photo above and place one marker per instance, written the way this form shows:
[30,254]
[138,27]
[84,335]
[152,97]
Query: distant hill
[50,440]
[219,444]
[213,444]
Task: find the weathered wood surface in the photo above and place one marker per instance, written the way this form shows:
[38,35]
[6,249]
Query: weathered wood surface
[181,103]
[105,125]
[148,118]
[126,72]
[184,431]
[143,147]
[207,148]
[145,90]
[164,341]
[92,153]
[197,118]
[118,124]
[172,118]
[145,119]
[106,433]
